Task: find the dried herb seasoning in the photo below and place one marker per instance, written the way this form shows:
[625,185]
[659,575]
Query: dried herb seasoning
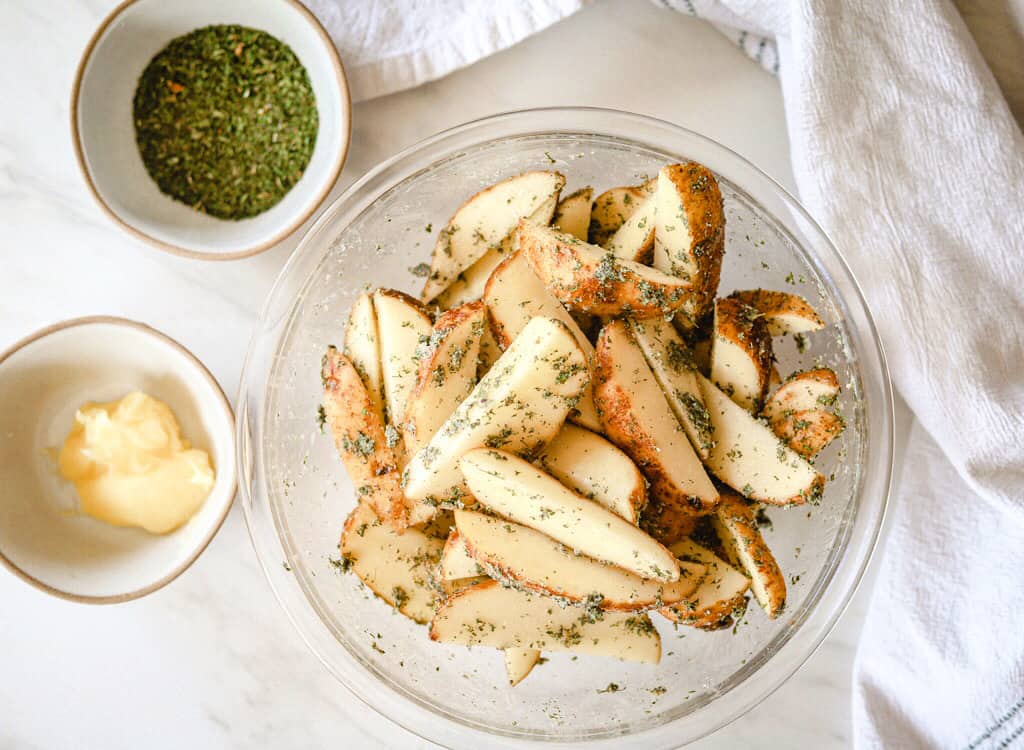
[225,120]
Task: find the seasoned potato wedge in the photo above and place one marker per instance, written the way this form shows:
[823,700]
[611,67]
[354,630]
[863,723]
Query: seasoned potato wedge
[483,221]
[613,207]
[803,391]
[783,312]
[456,562]
[722,591]
[402,323]
[741,353]
[469,285]
[447,372]
[634,240]
[808,432]
[517,490]
[748,456]
[573,214]
[362,347]
[672,362]
[593,467]
[638,419]
[590,279]
[360,438]
[526,559]
[520,405]
[514,296]
[396,567]
[489,615]
[736,527]
[689,238]
[667,522]
[519,662]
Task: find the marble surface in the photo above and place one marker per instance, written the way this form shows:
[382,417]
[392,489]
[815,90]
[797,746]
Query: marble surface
[211,660]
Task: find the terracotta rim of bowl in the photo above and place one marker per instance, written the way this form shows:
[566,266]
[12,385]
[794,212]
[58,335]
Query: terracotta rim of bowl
[76,141]
[218,391]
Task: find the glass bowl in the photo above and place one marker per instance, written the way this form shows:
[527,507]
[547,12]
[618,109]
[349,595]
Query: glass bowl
[296,495]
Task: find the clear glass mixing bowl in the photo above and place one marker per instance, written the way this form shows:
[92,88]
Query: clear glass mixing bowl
[296,495]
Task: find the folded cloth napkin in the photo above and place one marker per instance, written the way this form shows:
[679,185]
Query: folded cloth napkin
[907,153]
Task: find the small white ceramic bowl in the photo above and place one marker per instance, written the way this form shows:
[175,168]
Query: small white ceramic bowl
[103,131]
[44,378]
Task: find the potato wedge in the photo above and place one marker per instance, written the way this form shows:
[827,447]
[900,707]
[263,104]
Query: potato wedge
[808,432]
[590,279]
[593,467]
[741,353]
[736,527]
[447,372]
[396,567]
[526,559]
[469,285]
[514,296]
[456,561]
[482,221]
[749,457]
[362,347]
[489,615]
[667,522]
[519,662]
[402,323]
[689,238]
[634,240]
[783,312]
[517,490]
[674,367]
[803,391]
[359,436]
[520,405]
[638,418]
[721,592]
[572,215]
[613,207]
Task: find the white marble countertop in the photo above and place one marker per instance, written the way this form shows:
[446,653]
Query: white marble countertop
[211,661]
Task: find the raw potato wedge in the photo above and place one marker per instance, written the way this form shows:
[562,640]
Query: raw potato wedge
[689,239]
[526,559]
[489,615]
[667,522]
[634,240]
[483,221]
[590,279]
[613,207]
[672,362]
[748,456]
[638,419]
[396,567]
[359,436]
[402,323]
[519,491]
[741,353]
[592,467]
[783,312]
[721,592]
[520,404]
[803,391]
[456,562]
[469,285]
[447,372]
[809,432]
[736,527]
[519,662]
[514,296]
[362,347]
[572,215]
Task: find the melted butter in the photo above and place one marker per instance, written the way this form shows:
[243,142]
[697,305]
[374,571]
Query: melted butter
[131,467]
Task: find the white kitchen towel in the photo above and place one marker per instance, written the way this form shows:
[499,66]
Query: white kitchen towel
[908,154]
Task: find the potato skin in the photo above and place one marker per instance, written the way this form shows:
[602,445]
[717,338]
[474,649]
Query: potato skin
[735,524]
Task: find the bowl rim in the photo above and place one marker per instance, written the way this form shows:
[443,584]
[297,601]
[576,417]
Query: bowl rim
[819,622]
[317,200]
[228,412]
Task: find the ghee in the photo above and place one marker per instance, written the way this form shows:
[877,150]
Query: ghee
[131,467]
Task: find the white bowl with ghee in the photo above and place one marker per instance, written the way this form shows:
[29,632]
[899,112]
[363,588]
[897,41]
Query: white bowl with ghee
[116,459]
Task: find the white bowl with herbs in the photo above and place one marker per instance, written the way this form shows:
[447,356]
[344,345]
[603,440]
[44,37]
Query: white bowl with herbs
[210,130]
